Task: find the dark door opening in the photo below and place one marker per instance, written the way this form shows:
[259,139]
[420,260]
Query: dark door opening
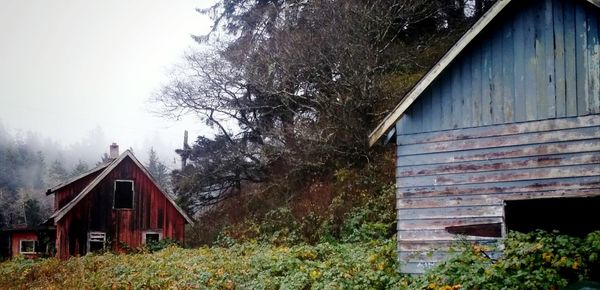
[571,216]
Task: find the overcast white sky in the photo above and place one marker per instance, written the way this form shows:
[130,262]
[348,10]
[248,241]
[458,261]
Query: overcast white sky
[70,66]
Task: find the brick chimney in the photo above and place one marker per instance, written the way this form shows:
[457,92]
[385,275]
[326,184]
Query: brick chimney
[114,151]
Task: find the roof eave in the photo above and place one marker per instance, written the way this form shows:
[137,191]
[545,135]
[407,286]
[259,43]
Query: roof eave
[57,216]
[436,70]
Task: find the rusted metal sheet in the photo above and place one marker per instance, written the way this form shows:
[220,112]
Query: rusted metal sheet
[122,226]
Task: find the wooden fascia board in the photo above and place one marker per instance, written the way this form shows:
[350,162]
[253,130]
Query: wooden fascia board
[65,209]
[167,196]
[62,212]
[73,179]
[437,69]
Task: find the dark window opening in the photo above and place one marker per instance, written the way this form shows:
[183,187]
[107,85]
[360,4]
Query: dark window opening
[571,216]
[479,230]
[123,194]
[151,237]
[28,247]
[96,242]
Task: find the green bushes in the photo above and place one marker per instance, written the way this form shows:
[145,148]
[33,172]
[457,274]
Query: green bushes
[531,261]
[246,266]
[537,260]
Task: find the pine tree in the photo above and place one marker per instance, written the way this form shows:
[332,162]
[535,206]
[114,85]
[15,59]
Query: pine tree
[158,170]
[57,172]
[80,168]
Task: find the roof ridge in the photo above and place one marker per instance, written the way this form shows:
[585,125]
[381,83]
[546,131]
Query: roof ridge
[56,216]
[439,67]
[75,178]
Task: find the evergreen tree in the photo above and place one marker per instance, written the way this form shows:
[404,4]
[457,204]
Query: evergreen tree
[80,168]
[57,172]
[158,170]
[33,212]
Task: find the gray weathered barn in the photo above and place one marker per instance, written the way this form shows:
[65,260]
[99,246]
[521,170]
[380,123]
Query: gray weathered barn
[503,133]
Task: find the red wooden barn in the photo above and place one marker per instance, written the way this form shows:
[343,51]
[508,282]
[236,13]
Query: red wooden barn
[113,206]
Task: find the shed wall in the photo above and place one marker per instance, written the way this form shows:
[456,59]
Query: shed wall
[537,60]
[463,176]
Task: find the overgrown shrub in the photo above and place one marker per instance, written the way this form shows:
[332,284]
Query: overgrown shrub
[246,266]
[537,260]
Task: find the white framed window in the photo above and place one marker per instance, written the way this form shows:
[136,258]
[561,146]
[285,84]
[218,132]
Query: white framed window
[123,194]
[28,246]
[151,236]
[96,242]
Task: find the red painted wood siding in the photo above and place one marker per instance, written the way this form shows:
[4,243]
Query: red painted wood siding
[15,242]
[67,193]
[152,211]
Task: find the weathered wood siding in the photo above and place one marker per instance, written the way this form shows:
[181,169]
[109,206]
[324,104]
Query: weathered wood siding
[515,116]
[15,239]
[463,176]
[537,60]
[152,211]
[64,195]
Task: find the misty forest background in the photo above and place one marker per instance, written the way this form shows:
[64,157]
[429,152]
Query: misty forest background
[30,165]
[291,89]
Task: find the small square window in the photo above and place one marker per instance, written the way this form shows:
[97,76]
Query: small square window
[123,194]
[96,242]
[28,247]
[151,237]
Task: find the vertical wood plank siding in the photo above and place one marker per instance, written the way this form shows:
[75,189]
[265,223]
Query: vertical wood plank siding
[539,60]
[463,176]
[95,212]
[515,116]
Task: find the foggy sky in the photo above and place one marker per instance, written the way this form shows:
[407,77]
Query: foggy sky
[73,70]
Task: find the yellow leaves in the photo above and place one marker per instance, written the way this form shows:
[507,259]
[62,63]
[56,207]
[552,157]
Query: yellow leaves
[372,258]
[229,285]
[480,248]
[315,275]
[434,286]
[547,257]
[562,261]
[575,265]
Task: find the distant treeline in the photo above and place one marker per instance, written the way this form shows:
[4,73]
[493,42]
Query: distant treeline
[30,165]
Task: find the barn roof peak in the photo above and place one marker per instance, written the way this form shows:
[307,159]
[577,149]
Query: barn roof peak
[107,168]
[389,121]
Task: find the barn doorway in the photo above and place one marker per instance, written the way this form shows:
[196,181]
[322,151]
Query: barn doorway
[571,216]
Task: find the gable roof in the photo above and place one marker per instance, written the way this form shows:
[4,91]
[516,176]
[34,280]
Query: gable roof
[442,64]
[75,178]
[109,167]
